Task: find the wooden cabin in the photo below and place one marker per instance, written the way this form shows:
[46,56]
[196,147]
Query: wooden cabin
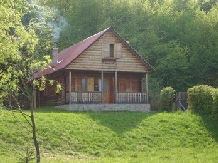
[103,68]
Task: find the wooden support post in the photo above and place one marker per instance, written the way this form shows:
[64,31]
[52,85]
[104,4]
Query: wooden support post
[115,91]
[146,87]
[70,86]
[102,86]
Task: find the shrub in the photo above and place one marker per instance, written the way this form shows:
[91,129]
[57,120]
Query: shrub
[200,99]
[215,105]
[167,98]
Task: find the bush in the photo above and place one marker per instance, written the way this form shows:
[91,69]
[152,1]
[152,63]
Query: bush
[215,105]
[200,99]
[167,98]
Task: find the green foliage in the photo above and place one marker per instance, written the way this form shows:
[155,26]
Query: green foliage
[200,99]
[178,38]
[112,137]
[154,93]
[24,45]
[167,98]
[28,158]
[215,105]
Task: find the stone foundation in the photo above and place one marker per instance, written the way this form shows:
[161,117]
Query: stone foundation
[106,107]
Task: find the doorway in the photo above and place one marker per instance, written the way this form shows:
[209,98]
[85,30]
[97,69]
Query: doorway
[108,89]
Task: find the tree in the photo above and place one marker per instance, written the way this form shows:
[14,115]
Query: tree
[19,60]
[161,31]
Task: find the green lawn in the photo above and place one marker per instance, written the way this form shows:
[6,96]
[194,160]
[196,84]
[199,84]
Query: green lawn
[92,137]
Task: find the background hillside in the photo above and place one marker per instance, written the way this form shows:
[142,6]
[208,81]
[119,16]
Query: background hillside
[111,137]
[177,37]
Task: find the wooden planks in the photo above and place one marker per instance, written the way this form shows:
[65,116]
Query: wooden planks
[91,59]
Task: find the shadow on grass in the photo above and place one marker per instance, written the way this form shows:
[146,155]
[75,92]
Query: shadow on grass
[211,126]
[119,122]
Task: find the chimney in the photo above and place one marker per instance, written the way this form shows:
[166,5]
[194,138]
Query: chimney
[55,57]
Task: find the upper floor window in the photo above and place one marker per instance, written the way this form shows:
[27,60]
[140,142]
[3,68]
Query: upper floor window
[112,50]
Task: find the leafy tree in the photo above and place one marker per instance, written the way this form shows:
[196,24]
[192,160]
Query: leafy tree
[20,59]
[177,37]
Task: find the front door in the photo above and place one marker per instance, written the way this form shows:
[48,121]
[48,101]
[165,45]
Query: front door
[108,90]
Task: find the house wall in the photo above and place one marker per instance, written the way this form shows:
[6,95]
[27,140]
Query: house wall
[129,83]
[124,58]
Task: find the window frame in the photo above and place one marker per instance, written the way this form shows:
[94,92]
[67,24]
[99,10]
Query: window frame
[111,50]
[84,84]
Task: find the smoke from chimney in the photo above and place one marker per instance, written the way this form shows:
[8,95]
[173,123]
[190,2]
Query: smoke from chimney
[46,14]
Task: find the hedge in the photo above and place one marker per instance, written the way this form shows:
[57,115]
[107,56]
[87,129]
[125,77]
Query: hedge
[203,99]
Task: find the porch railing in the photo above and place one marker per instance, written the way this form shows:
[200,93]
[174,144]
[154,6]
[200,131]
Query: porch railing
[96,97]
[139,97]
[85,97]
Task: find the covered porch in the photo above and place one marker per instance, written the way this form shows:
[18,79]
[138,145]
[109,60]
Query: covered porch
[106,87]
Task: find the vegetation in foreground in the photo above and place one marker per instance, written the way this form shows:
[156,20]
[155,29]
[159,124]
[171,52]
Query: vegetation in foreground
[66,137]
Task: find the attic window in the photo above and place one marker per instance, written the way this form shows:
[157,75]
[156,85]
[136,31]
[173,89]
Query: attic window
[112,50]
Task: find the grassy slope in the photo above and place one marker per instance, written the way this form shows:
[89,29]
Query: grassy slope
[112,137]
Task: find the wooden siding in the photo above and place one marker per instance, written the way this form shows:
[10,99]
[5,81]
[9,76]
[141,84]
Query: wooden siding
[129,84]
[91,59]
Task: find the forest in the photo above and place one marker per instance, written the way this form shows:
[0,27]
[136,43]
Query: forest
[179,38]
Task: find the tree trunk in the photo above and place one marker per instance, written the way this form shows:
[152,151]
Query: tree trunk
[36,144]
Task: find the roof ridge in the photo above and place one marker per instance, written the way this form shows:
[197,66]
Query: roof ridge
[103,31]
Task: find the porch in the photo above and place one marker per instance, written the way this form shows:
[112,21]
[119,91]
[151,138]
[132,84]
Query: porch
[97,98]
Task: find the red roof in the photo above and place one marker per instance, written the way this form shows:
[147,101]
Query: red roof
[66,56]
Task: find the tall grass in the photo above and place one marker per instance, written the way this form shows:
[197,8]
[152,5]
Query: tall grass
[112,137]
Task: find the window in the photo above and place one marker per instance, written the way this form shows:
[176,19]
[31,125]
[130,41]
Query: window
[88,84]
[84,84]
[112,50]
[104,85]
